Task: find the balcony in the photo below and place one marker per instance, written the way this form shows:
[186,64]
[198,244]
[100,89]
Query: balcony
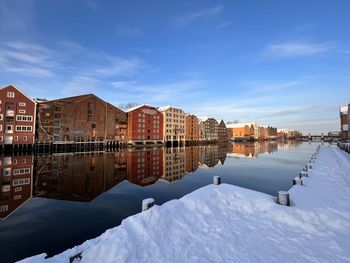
[10,113]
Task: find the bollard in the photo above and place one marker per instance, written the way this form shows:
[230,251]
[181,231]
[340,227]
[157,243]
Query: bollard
[283,198]
[298,181]
[310,166]
[147,203]
[303,174]
[216,180]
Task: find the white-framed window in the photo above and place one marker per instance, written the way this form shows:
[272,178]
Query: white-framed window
[4,208]
[10,94]
[18,189]
[22,104]
[1,116]
[25,138]
[17,197]
[15,138]
[24,118]
[23,128]
[0,127]
[21,181]
[21,171]
[22,111]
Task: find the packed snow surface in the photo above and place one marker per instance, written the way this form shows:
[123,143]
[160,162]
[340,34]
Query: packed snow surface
[227,223]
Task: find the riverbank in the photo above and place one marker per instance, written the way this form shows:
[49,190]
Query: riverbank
[233,224]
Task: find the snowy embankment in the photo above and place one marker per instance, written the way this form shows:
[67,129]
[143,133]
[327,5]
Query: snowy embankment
[226,223]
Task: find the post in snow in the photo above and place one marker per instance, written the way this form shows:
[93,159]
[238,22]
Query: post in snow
[297,181]
[283,198]
[147,203]
[216,180]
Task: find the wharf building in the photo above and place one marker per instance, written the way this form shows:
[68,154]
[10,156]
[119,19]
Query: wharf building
[16,183]
[344,122]
[173,125]
[17,117]
[209,129]
[191,129]
[192,158]
[222,132]
[243,131]
[145,125]
[83,118]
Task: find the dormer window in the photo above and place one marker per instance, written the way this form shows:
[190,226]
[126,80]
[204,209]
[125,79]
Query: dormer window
[10,94]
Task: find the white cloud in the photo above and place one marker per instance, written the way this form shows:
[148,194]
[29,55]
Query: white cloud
[296,49]
[189,18]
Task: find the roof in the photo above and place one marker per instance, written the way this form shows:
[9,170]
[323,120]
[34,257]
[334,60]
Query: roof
[13,86]
[138,106]
[164,108]
[240,125]
[344,109]
[203,118]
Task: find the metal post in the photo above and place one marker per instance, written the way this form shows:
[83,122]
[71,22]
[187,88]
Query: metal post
[216,180]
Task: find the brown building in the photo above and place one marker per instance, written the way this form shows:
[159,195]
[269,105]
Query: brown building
[344,122]
[80,118]
[145,167]
[191,128]
[79,177]
[263,133]
[243,131]
[209,129]
[16,181]
[17,117]
[222,132]
[145,125]
[192,158]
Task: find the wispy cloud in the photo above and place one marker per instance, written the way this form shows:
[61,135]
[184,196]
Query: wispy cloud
[296,49]
[191,17]
[129,31]
[223,25]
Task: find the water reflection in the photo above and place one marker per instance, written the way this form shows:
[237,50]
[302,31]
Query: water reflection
[83,177]
[16,179]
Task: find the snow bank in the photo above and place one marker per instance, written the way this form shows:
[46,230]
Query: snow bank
[227,223]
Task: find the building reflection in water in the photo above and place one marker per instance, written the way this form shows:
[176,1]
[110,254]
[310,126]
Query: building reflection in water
[83,177]
[145,166]
[174,164]
[16,179]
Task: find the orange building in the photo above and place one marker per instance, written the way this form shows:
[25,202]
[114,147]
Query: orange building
[191,128]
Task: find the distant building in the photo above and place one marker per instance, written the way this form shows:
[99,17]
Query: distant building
[271,132]
[145,125]
[348,121]
[80,118]
[222,132]
[17,117]
[191,128]
[16,183]
[263,133]
[344,122]
[282,133]
[209,129]
[294,134]
[247,131]
[173,125]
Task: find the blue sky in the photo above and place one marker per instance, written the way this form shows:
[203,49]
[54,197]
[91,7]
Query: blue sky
[283,63]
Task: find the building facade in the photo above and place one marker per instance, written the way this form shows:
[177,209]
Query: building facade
[222,132]
[174,164]
[173,125]
[80,118]
[145,125]
[17,117]
[191,128]
[243,131]
[209,129]
[344,122]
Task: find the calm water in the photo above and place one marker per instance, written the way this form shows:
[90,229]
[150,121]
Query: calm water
[52,203]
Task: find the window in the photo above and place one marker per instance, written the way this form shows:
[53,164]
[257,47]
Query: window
[22,104]
[21,171]
[22,111]
[1,117]
[0,127]
[23,128]
[18,189]
[25,138]
[10,94]
[15,138]
[24,118]
[24,181]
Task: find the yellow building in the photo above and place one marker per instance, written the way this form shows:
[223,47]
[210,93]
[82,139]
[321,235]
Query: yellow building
[173,125]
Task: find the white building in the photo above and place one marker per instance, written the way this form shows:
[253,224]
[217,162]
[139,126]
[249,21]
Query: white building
[173,125]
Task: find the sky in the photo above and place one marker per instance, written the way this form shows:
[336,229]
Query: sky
[280,63]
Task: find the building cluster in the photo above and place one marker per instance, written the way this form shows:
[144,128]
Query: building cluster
[87,118]
[344,122]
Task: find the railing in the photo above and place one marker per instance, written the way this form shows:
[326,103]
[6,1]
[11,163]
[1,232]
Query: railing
[345,146]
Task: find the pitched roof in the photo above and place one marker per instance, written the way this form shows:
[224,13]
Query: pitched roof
[139,106]
[13,86]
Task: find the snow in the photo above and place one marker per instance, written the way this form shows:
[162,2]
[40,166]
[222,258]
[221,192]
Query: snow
[240,125]
[226,223]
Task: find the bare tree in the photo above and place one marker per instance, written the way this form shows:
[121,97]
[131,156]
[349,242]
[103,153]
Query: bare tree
[128,105]
[233,122]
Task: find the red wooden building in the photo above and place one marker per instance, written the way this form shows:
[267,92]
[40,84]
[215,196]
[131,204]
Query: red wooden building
[17,117]
[145,125]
